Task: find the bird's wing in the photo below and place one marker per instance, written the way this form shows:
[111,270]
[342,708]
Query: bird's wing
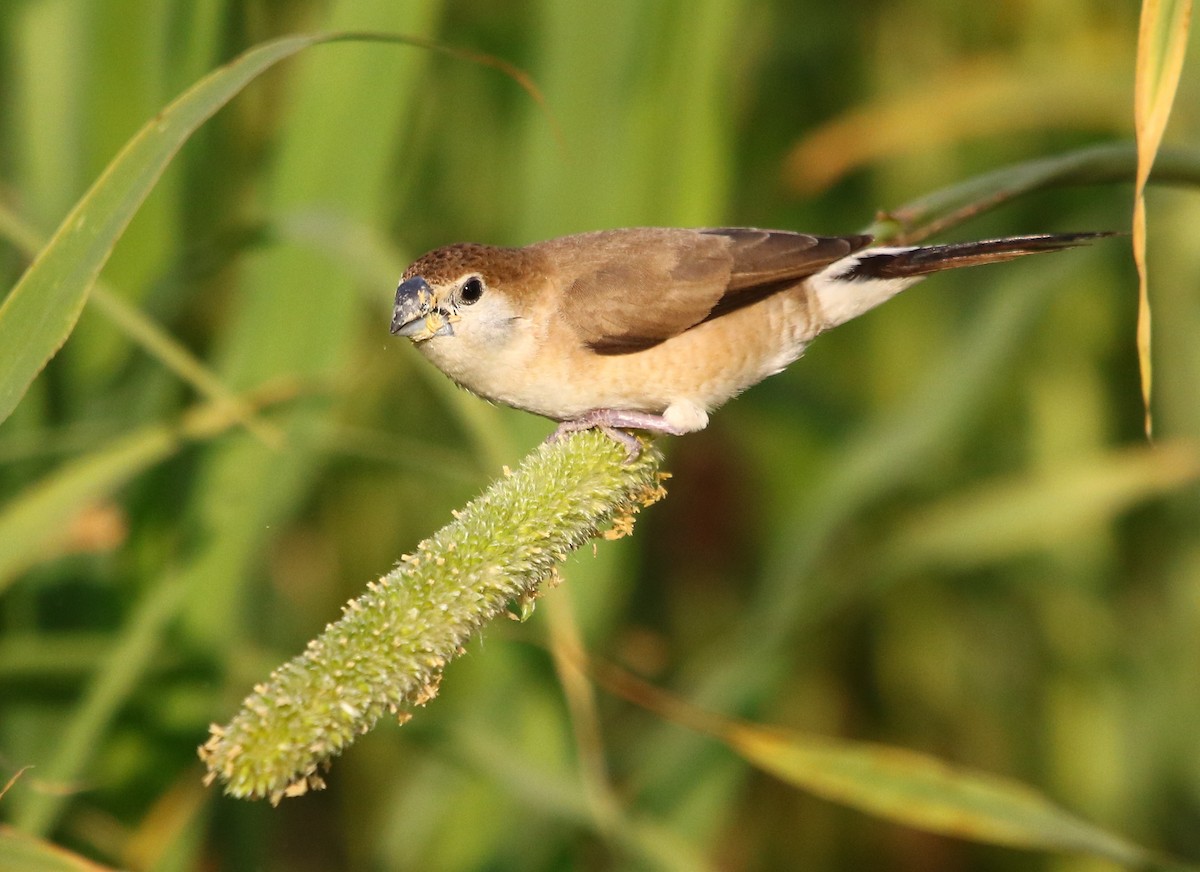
[637,288]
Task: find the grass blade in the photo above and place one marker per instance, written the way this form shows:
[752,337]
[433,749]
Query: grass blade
[154,339]
[923,792]
[1162,44]
[35,522]
[40,312]
[907,787]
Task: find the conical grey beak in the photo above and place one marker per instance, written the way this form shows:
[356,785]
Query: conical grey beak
[417,315]
[414,300]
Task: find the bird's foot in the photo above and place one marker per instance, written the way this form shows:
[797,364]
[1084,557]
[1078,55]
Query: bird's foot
[616,424]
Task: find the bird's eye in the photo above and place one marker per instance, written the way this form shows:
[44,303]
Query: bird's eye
[471,291]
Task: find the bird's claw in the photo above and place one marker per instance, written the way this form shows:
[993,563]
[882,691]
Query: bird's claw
[631,444]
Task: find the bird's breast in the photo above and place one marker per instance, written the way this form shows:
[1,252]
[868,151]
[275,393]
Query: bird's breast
[545,369]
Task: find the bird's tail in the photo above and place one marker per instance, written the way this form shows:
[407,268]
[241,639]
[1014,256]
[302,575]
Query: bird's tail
[899,263]
[868,277]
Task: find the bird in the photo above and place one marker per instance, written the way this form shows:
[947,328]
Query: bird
[653,328]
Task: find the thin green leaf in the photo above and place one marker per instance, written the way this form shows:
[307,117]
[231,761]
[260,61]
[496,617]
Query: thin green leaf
[40,312]
[923,792]
[913,789]
[143,331]
[37,521]
[1094,165]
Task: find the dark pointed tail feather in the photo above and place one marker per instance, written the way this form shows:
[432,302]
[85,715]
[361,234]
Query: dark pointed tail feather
[913,262]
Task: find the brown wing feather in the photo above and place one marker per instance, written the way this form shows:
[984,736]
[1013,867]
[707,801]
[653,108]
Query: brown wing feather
[763,257]
[632,289]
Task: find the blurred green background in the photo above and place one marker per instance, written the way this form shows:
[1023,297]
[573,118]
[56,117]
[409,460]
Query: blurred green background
[942,529]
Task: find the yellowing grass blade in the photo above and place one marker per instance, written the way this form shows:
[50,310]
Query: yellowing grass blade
[1162,43]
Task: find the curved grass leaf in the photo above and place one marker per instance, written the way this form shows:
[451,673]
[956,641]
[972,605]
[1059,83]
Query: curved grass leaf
[926,793]
[907,787]
[143,331]
[1094,165]
[40,312]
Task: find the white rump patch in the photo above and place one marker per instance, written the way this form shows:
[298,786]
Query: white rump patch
[842,296]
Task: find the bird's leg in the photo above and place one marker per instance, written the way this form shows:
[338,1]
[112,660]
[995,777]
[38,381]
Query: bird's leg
[617,423]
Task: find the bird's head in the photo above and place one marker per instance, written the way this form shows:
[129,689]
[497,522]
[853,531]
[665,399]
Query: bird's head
[464,290]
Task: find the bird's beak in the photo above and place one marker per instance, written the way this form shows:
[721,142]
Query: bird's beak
[416,314]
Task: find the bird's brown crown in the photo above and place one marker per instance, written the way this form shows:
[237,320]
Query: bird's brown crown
[497,265]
